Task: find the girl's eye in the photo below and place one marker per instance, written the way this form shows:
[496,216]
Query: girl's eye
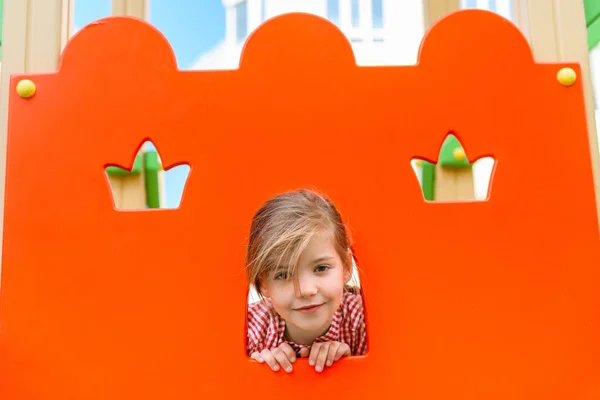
[281,276]
[321,268]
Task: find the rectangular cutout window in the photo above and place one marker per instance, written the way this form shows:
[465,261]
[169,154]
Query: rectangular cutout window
[308,280]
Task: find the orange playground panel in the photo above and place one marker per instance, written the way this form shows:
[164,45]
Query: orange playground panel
[483,300]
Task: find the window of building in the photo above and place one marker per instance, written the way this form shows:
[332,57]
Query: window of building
[377,12]
[333,11]
[355,14]
[241,20]
[501,7]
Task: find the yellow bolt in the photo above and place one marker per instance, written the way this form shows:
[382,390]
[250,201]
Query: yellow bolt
[26,88]
[418,163]
[459,154]
[566,76]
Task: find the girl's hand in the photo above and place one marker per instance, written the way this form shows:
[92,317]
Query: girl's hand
[326,353]
[282,356]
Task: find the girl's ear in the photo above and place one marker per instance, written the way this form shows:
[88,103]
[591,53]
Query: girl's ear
[348,272]
[347,276]
[263,289]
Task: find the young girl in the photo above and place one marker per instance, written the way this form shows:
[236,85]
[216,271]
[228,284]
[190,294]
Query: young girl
[299,261]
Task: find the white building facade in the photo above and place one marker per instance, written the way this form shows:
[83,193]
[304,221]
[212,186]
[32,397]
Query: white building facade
[381,32]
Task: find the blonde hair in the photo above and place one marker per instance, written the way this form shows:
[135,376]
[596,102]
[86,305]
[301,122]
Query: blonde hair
[282,228]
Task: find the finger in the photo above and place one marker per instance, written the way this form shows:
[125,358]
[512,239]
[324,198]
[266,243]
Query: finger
[289,352]
[270,360]
[331,354]
[322,357]
[256,356]
[343,350]
[304,352]
[314,352]
[282,359]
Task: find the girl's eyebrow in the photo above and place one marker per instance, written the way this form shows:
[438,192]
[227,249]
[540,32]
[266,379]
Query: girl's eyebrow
[323,258]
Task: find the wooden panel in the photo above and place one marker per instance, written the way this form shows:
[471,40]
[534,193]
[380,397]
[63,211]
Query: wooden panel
[116,187]
[132,8]
[33,35]
[436,9]
[454,184]
[134,192]
[507,311]
[557,32]
[445,182]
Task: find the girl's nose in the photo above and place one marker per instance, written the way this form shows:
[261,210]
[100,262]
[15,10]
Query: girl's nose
[307,288]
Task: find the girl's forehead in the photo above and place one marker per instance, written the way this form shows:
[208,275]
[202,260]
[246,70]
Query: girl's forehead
[321,244]
[320,247]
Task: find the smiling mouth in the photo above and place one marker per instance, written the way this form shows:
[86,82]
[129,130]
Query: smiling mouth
[309,309]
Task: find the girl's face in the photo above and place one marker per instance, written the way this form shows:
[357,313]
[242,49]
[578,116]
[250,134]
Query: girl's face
[321,276]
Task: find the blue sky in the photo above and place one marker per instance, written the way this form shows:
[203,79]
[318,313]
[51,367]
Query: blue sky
[191,26]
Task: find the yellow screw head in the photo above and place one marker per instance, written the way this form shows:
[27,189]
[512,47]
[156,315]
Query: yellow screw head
[459,154]
[566,76]
[418,163]
[26,88]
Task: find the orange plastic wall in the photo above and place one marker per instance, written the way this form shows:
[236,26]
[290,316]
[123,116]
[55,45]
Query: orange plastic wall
[487,300]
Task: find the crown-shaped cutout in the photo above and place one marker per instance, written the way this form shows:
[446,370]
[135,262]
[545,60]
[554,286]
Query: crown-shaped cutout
[454,178]
[142,185]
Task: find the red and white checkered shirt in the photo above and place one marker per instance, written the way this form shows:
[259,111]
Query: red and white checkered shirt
[266,328]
